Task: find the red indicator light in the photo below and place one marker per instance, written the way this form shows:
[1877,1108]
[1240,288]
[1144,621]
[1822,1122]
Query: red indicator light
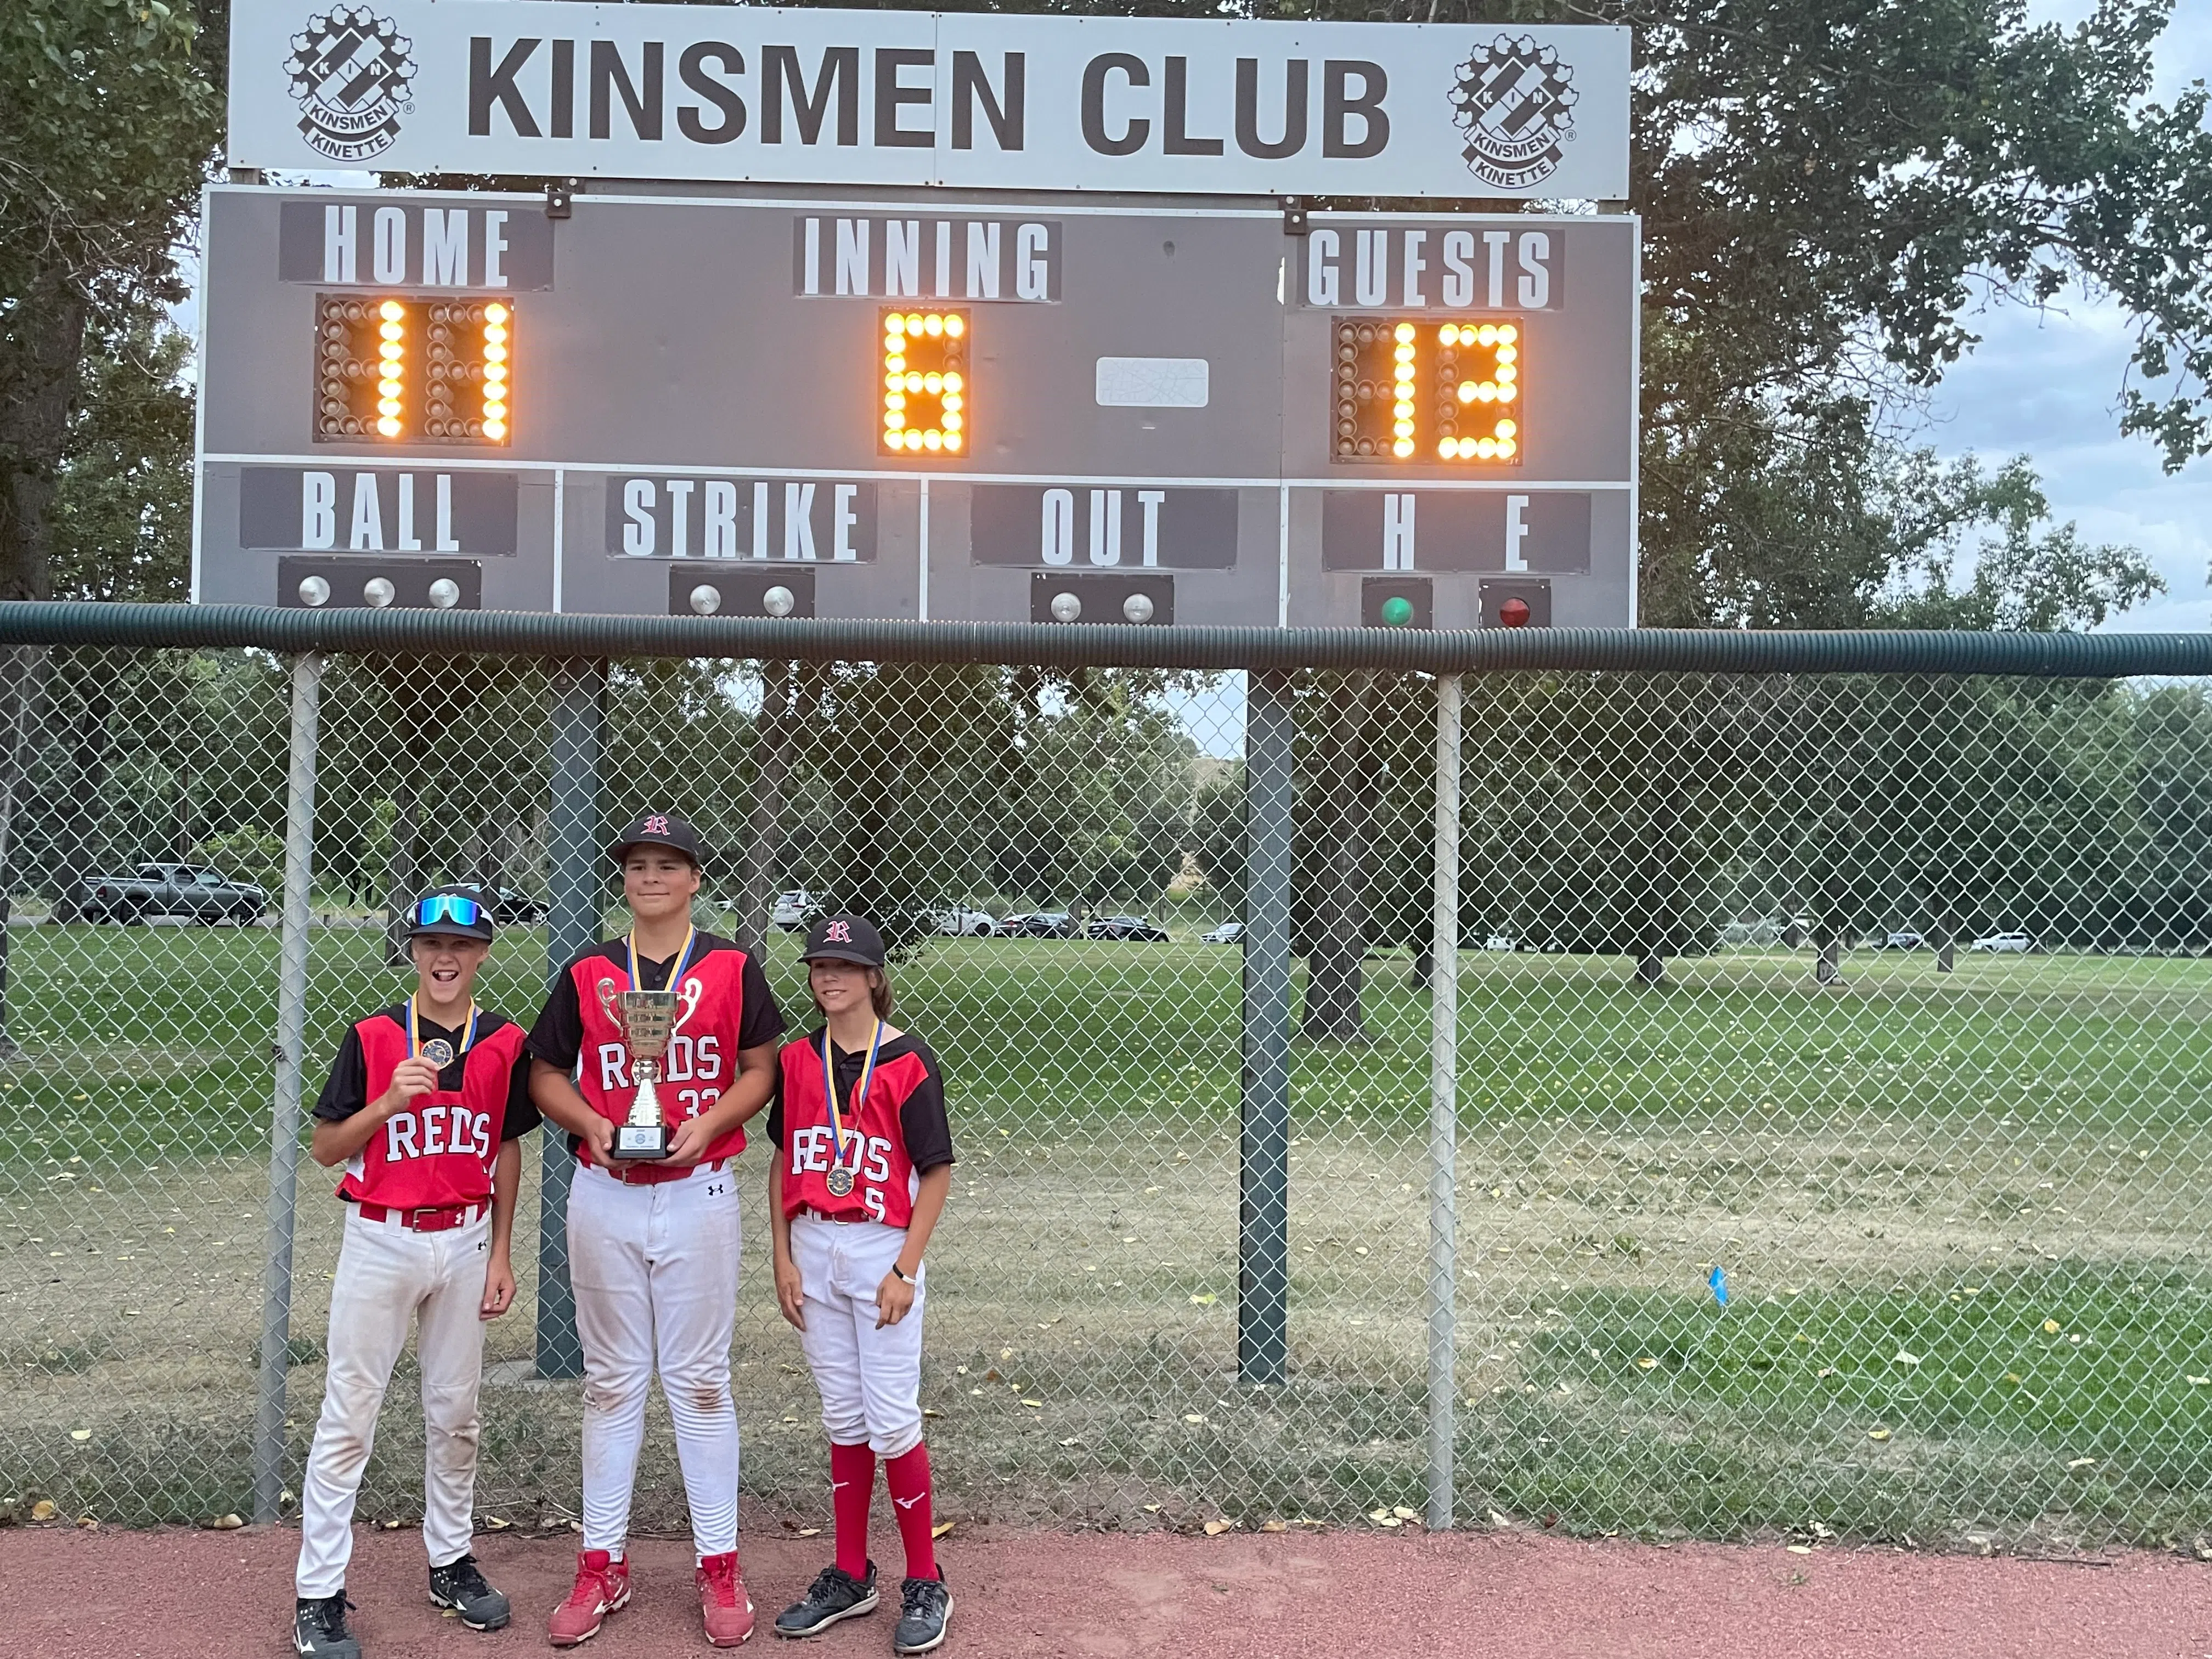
[1513,613]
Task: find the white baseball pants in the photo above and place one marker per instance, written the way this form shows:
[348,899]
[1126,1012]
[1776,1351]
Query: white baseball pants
[870,1379]
[655,1272]
[388,1278]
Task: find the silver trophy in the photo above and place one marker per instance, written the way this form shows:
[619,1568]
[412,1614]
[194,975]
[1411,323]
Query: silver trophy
[648,1020]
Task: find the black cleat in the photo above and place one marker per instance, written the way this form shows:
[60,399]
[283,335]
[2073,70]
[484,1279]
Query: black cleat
[460,1586]
[834,1594]
[926,1606]
[319,1628]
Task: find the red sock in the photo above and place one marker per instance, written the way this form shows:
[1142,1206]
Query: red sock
[907,1477]
[852,1487]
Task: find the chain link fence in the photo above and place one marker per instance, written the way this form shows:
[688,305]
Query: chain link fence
[1830,1055]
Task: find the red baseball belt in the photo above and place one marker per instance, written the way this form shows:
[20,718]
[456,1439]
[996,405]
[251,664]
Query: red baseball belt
[429,1218]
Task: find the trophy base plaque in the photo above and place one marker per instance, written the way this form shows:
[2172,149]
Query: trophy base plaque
[644,1141]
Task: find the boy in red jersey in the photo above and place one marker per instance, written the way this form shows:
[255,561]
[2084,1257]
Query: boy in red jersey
[654,1246]
[863,1166]
[424,1106]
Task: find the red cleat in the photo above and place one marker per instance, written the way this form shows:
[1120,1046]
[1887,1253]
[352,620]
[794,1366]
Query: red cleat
[602,1587]
[723,1602]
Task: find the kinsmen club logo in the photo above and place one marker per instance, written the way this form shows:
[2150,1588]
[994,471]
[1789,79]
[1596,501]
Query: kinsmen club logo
[350,77]
[1516,102]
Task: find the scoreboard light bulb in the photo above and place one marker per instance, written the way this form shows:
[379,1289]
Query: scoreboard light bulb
[1448,448]
[495,313]
[914,322]
[392,311]
[893,382]
[1402,410]
[953,422]
[494,430]
[494,407]
[1402,448]
[1402,428]
[954,402]
[953,382]
[913,380]
[388,406]
[1507,374]
[1404,354]
[894,421]
[392,351]
[1486,447]
[955,326]
[1507,392]
[1403,333]
[1465,394]
[1507,429]
[895,360]
[1507,354]
[389,426]
[933,439]
[893,345]
[1487,334]
[894,324]
[895,400]
[496,373]
[391,331]
[1448,334]
[1506,446]
[953,440]
[933,326]
[1507,334]
[494,354]
[494,333]
[932,382]
[389,388]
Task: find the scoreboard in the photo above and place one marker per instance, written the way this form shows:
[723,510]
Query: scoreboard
[904,404]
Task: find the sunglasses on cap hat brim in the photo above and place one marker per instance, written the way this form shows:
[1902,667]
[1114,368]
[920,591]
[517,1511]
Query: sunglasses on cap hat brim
[450,916]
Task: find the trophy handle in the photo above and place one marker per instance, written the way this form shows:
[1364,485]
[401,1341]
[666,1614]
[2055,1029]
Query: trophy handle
[609,1002]
[687,1000]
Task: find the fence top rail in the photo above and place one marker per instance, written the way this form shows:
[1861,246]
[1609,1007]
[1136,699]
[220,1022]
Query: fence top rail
[74,623]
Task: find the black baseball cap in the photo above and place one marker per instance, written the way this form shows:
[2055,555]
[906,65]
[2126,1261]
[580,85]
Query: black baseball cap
[844,938]
[658,829]
[458,912]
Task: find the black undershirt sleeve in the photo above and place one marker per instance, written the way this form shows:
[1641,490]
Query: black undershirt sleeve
[522,1115]
[764,1020]
[345,1091]
[923,1118]
[558,1037]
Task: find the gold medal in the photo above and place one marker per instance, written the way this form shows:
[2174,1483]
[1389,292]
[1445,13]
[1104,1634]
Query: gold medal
[839,1180]
[439,1053]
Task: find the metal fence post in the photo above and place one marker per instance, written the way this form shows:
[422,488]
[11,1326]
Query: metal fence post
[1263,1236]
[1443,1113]
[284,1114]
[580,690]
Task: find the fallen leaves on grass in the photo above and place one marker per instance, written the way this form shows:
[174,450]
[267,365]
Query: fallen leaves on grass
[2051,1327]
[44,1509]
[1194,1416]
[1215,1528]
[1904,1359]
[80,1435]
[809,1532]
[940,1529]
[1646,1363]
[1877,1434]
[232,1523]
[1205,1301]
[1405,1513]
[2081,1463]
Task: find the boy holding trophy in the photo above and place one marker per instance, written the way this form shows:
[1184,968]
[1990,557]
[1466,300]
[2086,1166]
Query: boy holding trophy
[652,1052]
[423,1107]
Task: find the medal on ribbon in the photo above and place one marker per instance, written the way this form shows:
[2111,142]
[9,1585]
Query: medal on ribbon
[440,1053]
[841,1177]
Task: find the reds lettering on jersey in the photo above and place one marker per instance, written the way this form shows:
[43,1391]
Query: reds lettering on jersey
[701,1058]
[439,1151]
[884,1182]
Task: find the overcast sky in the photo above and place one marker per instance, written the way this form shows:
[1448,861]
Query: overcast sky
[2048,384]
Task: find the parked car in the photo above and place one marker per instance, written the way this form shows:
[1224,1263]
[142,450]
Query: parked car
[793,910]
[1501,942]
[1902,939]
[1230,932]
[508,907]
[960,922]
[1042,924]
[2019,943]
[1129,927]
[169,890]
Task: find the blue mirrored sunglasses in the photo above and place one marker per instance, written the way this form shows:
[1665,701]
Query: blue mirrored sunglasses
[448,907]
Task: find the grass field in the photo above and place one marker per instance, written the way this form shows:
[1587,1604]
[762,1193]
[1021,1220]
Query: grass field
[1939,1167]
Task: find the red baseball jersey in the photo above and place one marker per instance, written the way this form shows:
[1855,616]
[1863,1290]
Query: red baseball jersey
[898,1133]
[702,1061]
[439,1152]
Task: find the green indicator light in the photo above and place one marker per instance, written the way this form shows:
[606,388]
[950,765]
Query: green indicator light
[1397,612]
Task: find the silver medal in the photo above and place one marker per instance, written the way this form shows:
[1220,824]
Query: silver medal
[839,1180]
[439,1053]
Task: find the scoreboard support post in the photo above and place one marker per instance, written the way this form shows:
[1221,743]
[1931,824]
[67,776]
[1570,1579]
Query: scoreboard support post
[284,1110]
[1443,1115]
[580,688]
[1263,1275]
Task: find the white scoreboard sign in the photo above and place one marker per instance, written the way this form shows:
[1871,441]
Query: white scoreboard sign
[975,101]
